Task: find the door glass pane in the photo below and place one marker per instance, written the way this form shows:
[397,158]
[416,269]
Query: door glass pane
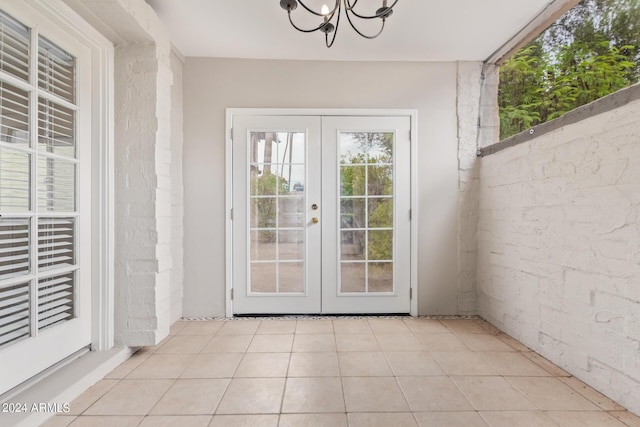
[263,277]
[380,212]
[380,180]
[14,115]
[277,211]
[55,300]
[56,185]
[380,245]
[352,213]
[15,181]
[263,182]
[291,276]
[380,277]
[352,180]
[15,249]
[263,212]
[353,277]
[263,245]
[15,307]
[290,245]
[366,211]
[352,245]
[56,70]
[291,212]
[56,128]
[14,47]
[56,243]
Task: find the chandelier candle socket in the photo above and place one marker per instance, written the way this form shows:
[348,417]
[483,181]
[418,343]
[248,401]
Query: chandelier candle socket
[327,15]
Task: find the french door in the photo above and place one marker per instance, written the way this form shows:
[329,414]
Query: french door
[321,214]
[45,195]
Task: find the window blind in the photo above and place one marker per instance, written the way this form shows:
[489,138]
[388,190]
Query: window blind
[56,129]
[14,247]
[14,180]
[14,313]
[56,70]
[56,239]
[14,47]
[56,185]
[14,115]
[55,300]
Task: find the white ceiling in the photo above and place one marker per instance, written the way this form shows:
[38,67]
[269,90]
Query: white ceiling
[419,30]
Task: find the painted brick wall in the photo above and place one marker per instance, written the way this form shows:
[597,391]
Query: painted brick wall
[143,195]
[559,248]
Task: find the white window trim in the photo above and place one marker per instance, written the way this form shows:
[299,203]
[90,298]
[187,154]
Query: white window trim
[230,112]
[102,161]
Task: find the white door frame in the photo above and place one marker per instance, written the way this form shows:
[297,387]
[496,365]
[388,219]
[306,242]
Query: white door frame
[231,112]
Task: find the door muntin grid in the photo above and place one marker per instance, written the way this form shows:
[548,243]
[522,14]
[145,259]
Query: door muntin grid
[277,200]
[366,239]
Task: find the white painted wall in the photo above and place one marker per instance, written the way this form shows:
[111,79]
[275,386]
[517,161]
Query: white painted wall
[177,191]
[559,248]
[211,85]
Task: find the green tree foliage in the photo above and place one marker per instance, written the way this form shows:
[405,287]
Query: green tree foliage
[369,172]
[590,52]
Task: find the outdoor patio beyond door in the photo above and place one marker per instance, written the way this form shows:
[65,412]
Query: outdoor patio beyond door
[321,214]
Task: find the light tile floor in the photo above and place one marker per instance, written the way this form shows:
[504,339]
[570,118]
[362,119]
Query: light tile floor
[341,372]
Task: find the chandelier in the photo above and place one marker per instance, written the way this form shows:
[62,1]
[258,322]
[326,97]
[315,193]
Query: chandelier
[327,15]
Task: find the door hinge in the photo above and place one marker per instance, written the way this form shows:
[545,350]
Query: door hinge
[409,214]
[410,293]
[231,134]
[231,294]
[231,213]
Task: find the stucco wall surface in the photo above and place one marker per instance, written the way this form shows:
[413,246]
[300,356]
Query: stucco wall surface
[211,85]
[559,248]
[177,190]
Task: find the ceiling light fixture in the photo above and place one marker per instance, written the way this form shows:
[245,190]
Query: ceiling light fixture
[327,27]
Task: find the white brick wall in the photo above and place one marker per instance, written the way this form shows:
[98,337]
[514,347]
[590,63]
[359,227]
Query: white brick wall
[559,248]
[142,197]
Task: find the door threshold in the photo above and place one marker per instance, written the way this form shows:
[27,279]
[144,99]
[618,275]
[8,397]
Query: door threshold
[320,316]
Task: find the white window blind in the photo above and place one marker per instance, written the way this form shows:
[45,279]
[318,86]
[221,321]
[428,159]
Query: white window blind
[14,313]
[56,239]
[14,114]
[15,249]
[14,47]
[15,179]
[56,129]
[56,185]
[56,70]
[55,300]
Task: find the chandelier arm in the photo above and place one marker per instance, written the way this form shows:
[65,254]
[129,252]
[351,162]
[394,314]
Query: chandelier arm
[320,14]
[336,30]
[358,31]
[302,29]
[350,7]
